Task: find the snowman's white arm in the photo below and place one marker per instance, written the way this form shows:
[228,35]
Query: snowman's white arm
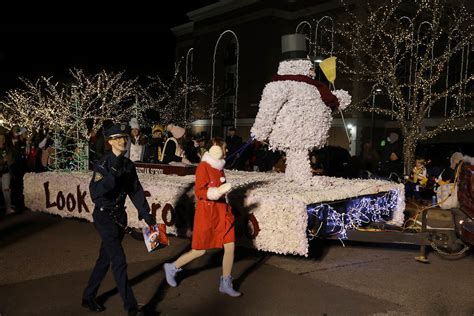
[273,97]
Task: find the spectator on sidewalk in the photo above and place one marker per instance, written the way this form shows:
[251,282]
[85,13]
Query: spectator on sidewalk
[173,148]
[6,160]
[136,146]
[18,168]
[154,148]
[234,142]
[417,180]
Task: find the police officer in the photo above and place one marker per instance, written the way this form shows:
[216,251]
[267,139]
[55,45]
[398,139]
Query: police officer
[114,178]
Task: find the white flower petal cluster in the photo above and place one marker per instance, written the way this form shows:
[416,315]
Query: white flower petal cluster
[298,167]
[293,118]
[344,98]
[295,67]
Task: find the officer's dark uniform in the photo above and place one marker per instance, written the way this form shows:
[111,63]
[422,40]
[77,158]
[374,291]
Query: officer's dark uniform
[113,179]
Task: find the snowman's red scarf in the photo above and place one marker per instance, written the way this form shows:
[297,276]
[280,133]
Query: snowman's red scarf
[326,95]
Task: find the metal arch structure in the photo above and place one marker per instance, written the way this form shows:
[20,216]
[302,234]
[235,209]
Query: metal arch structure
[191,50]
[314,44]
[301,24]
[236,79]
[332,33]
[300,27]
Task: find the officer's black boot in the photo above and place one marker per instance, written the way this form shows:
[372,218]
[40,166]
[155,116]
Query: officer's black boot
[92,305]
[134,311]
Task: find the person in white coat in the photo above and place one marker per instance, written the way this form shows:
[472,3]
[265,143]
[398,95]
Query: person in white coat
[136,145]
[295,111]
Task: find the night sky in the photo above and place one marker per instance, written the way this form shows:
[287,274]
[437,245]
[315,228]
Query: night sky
[135,37]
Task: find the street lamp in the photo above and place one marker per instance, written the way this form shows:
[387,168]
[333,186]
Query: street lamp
[236,77]
[316,37]
[188,54]
[374,92]
[318,59]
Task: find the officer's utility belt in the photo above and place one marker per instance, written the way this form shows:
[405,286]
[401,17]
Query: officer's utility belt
[113,212]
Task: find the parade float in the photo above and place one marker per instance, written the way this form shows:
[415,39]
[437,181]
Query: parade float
[273,212]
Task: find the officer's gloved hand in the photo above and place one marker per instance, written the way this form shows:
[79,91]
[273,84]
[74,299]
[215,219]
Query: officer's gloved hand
[117,165]
[150,220]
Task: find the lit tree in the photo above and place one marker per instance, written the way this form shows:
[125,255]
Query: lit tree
[27,107]
[99,97]
[66,108]
[95,99]
[412,58]
[167,98]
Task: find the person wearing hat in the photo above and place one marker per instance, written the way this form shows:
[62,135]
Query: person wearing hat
[114,177]
[154,148]
[393,146]
[391,167]
[213,220]
[136,146]
[172,150]
[295,111]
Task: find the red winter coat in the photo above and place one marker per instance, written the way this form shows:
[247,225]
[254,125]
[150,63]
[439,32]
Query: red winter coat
[213,220]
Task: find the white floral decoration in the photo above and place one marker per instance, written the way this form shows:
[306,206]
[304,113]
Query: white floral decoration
[295,67]
[293,118]
[343,97]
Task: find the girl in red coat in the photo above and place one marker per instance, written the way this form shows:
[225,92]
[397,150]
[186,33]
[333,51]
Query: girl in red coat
[213,220]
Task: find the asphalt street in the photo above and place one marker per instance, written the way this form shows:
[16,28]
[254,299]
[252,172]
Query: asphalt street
[45,262]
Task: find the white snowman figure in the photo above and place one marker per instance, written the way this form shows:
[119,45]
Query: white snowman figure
[295,112]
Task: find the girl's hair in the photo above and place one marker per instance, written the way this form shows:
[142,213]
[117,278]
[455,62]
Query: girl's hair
[420,160]
[216,141]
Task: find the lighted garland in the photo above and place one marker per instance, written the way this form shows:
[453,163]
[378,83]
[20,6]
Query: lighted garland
[167,98]
[359,213]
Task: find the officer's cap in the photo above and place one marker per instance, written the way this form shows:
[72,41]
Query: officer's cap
[117,130]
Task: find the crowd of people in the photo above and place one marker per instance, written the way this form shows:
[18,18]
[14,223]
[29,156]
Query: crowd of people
[20,153]
[17,156]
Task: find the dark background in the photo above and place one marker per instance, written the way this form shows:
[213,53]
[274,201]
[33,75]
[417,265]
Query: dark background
[47,40]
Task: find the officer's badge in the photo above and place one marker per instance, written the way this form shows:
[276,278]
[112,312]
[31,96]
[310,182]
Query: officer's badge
[98,177]
[123,127]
